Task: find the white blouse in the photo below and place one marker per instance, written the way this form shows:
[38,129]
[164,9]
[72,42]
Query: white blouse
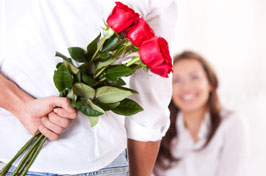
[225,155]
[31,31]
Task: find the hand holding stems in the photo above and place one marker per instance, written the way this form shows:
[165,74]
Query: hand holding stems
[51,125]
[30,111]
[43,115]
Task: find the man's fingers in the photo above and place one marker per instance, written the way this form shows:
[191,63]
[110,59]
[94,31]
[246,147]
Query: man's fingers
[61,102]
[49,134]
[51,126]
[63,113]
[60,121]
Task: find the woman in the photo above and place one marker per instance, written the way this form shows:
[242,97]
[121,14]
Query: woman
[203,139]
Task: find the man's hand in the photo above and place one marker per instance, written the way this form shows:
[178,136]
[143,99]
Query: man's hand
[42,114]
[36,114]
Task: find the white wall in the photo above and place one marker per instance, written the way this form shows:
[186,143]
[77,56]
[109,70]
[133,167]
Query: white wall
[231,34]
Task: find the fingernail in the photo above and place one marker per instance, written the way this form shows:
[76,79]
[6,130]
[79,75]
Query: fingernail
[40,128]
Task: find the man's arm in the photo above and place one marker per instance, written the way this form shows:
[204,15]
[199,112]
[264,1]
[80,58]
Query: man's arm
[142,156]
[34,113]
[12,98]
[154,96]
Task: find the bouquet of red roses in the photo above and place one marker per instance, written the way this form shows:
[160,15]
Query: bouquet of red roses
[96,85]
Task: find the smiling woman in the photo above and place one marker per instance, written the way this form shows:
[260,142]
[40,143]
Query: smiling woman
[203,139]
[231,35]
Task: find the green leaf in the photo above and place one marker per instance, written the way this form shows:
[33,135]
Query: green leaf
[128,89]
[88,67]
[111,43]
[95,107]
[62,78]
[108,94]
[78,54]
[71,95]
[105,55]
[63,57]
[127,107]
[70,67]
[77,104]
[116,82]
[110,78]
[87,110]
[93,120]
[92,47]
[59,64]
[135,67]
[105,63]
[68,63]
[108,106]
[120,82]
[77,77]
[84,90]
[87,79]
[62,93]
[118,71]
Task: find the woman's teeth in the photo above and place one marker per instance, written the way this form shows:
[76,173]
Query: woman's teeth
[188,97]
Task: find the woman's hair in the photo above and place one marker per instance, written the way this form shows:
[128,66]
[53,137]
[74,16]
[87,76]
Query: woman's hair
[165,159]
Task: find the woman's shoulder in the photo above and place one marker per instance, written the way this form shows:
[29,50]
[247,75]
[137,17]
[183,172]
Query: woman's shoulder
[233,120]
[227,114]
[235,130]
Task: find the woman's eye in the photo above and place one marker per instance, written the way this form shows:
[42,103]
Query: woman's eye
[176,80]
[194,77]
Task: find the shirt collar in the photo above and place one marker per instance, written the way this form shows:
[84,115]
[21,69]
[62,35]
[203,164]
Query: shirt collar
[203,132]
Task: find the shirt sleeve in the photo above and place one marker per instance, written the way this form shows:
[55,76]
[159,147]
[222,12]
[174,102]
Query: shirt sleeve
[1,32]
[154,91]
[163,19]
[234,154]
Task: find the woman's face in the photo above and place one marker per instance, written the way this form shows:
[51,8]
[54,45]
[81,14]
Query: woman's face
[190,85]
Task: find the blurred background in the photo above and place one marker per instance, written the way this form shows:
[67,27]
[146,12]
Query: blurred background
[231,35]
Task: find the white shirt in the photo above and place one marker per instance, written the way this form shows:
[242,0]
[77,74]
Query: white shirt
[31,31]
[225,155]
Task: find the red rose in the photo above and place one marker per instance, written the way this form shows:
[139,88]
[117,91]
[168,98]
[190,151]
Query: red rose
[139,32]
[121,17]
[155,54]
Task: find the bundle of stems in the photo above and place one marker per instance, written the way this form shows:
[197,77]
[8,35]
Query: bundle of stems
[33,147]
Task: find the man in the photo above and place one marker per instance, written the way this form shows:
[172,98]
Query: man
[31,32]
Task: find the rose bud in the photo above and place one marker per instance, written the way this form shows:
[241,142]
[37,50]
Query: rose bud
[121,17]
[139,32]
[155,54]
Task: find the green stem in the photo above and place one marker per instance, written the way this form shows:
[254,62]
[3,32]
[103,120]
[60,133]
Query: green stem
[98,49]
[36,143]
[121,51]
[34,156]
[116,54]
[109,33]
[8,165]
[98,74]
[133,61]
[101,80]
[133,55]
[27,161]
